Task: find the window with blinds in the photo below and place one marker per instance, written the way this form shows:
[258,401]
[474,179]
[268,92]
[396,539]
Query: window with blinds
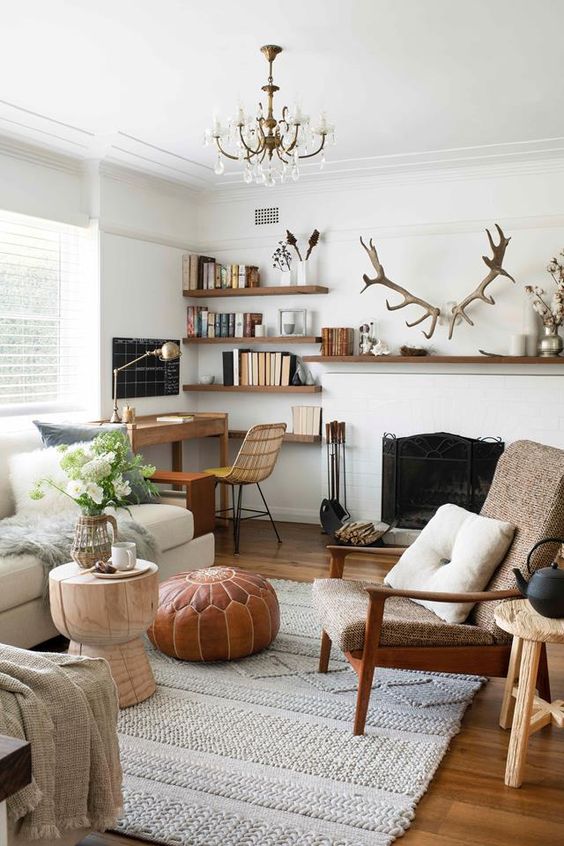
[47,316]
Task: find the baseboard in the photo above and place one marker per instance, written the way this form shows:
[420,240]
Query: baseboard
[291,515]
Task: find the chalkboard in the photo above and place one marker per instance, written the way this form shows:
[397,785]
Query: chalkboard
[149,377]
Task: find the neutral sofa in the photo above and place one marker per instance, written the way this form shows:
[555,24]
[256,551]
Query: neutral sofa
[25,619]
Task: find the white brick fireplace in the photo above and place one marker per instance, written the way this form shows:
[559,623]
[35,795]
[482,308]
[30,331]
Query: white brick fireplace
[510,402]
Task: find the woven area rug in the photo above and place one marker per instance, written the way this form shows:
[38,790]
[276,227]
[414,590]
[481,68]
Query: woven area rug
[260,752]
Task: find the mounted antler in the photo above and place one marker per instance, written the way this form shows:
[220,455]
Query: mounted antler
[408,299]
[496,270]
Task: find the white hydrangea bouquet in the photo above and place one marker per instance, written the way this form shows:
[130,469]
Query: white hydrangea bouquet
[551,313]
[96,473]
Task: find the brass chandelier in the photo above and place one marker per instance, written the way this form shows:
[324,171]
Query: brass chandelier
[270,148]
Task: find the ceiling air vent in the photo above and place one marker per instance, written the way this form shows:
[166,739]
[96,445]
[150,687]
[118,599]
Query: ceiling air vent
[264,216]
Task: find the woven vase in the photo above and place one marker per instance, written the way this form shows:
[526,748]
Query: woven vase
[91,539]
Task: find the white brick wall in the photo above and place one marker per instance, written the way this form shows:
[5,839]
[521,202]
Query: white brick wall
[510,404]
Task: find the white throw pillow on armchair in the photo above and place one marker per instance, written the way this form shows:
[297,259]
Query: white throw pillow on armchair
[457,551]
[26,468]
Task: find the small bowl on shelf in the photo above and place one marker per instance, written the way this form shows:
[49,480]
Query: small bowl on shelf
[206,379]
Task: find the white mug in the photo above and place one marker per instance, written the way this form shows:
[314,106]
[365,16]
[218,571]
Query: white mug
[124,555]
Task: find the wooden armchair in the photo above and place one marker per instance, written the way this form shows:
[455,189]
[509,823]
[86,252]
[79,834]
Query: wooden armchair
[379,626]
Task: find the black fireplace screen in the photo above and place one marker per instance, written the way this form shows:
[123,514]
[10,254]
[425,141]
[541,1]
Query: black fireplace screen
[422,472]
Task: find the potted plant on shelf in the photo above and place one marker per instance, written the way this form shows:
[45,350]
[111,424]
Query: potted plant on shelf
[305,273]
[282,261]
[98,473]
[552,315]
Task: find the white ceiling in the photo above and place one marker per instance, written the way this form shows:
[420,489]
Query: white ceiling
[406,82]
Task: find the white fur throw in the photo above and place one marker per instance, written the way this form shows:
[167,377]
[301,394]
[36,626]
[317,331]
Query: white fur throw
[26,468]
[457,551]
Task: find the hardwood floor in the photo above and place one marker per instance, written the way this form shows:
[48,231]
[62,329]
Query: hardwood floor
[467,803]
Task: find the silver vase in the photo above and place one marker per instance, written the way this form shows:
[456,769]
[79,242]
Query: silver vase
[551,343]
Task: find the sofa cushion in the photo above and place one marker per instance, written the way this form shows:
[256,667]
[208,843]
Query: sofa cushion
[56,434]
[457,552]
[22,579]
[340,606]
[170,525]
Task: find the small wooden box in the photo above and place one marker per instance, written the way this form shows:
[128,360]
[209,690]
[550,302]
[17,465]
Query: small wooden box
[197,494]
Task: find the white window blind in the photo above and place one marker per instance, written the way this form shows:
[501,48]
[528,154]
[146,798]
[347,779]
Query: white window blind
[48,316]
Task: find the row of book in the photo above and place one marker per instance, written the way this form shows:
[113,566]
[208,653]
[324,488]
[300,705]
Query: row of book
[306,419]
[246,367]
[337,341]
[205,273]
[202,323]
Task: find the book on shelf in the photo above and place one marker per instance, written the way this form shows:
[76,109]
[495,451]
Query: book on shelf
[202,323]
[337,340]
[205,273]
[175,418]
[306,420]
[261,369]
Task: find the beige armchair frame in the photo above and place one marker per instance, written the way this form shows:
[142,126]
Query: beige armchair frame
[487,660]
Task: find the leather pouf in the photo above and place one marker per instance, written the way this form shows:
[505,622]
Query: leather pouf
[215,614]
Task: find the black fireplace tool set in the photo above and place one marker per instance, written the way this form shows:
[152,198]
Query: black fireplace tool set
[333,514]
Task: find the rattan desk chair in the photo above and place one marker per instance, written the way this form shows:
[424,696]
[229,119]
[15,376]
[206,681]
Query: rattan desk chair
[254,463]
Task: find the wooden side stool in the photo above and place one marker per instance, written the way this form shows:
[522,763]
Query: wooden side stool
[197,494]
[521,709]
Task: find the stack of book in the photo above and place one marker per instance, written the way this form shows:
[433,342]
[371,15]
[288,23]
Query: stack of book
[337,341]
[306,419]
[202,323]
[246,367]
[204,273]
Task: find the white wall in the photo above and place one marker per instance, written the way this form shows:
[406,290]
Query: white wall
[428,228]
[429,231]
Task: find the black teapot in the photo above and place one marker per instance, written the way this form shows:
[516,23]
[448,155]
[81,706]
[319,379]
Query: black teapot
[545,589]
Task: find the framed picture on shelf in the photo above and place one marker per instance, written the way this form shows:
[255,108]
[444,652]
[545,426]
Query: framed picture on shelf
[292,322]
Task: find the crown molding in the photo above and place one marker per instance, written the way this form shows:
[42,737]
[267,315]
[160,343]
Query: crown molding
[439,227]
[117,172]
[364,178]
[19,149]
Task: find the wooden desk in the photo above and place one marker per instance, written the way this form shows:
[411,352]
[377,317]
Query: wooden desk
[146,431]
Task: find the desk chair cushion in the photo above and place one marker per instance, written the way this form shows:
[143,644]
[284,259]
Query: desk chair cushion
[218,472]
[341,606]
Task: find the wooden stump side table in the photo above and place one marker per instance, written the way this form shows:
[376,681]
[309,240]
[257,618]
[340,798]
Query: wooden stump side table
[106,619]
[521,708]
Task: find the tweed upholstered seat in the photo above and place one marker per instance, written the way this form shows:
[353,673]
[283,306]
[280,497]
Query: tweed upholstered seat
[341,605]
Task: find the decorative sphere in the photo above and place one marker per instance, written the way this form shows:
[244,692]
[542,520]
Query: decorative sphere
[215,614]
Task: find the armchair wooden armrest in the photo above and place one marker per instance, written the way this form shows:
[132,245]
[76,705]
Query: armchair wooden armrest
[338,554]
[379,593]
[199,496]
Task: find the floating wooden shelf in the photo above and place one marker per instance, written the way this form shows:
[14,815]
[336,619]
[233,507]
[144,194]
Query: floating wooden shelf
[289,437]
[266,291]
[270,339]
[433,359]
[259,389]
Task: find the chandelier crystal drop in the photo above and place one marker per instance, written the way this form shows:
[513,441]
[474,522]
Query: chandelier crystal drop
[269,148]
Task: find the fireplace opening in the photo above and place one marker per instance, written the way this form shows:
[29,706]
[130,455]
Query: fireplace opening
[422,472]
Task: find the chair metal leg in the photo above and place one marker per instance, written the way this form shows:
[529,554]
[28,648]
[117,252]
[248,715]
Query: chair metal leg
[234,514]
[237,519]
[269,514]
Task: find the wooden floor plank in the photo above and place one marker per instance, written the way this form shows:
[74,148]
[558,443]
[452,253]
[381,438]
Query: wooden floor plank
[467,803]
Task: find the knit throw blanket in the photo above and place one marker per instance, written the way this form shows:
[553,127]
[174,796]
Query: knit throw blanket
[50,539]
[67,708]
